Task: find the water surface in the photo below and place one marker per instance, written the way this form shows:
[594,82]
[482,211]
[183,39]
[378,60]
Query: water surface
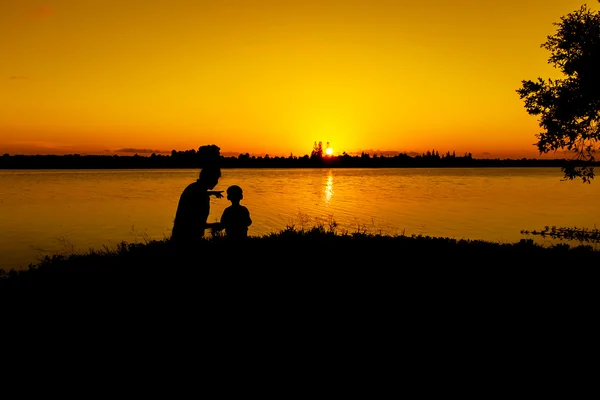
[44,212]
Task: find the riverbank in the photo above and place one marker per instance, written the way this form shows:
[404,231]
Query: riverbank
[290,257]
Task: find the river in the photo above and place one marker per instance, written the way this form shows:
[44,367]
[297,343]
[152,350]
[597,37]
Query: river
[44,212]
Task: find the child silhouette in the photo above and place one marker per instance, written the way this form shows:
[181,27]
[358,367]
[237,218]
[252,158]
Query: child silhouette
[236,218]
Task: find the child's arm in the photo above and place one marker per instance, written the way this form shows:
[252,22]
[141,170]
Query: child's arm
[220,225]
[249,220]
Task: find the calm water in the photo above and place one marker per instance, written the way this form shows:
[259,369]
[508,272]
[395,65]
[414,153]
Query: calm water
[44,212]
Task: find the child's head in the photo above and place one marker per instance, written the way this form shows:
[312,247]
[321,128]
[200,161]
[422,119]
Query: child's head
[234,192]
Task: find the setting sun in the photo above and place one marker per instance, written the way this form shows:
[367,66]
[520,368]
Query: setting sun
[329,151]
[269,76]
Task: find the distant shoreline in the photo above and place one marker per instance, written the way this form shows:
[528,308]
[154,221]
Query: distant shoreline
[280,167]
[186,160]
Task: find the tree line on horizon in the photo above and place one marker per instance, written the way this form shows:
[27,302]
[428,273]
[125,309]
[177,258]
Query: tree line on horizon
[211,154]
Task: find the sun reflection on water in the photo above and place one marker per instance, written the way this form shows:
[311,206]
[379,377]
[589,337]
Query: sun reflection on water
[329,187]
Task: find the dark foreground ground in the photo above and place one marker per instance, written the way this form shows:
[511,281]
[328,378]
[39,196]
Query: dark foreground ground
[293,261]
[310,302]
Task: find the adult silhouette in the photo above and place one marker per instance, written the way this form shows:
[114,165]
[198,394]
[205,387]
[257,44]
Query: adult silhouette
[193,209]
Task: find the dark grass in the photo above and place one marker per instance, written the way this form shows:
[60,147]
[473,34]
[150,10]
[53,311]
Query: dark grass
[299,297]
[291,258]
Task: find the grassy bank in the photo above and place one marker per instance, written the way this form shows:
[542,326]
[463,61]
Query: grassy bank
[291,254]
[303,290]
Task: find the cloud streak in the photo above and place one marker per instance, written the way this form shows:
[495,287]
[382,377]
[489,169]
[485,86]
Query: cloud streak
[42,13]
[133,150]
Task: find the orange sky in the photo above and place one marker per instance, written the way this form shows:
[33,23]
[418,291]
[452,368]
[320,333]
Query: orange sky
[91,76]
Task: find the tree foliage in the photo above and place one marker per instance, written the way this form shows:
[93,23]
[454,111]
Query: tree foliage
[568,109]
[317,151]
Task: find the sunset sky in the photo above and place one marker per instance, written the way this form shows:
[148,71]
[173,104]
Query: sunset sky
[103,76]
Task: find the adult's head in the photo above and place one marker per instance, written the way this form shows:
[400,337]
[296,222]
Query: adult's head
[209,176]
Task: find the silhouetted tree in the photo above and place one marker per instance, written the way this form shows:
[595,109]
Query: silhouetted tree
[317,152]
[569,109]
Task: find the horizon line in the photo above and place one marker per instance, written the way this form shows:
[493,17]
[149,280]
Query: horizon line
[237,154]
